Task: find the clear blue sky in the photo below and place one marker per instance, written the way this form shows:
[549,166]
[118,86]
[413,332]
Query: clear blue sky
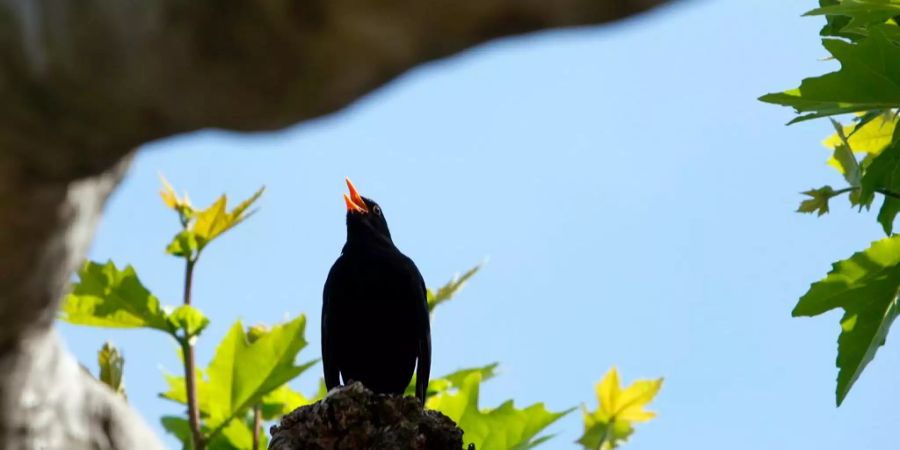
[634,200]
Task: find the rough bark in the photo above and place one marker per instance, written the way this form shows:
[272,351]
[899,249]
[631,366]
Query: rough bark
[354,417]
[82,83]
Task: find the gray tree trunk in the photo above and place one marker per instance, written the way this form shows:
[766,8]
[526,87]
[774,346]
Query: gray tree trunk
[84,82]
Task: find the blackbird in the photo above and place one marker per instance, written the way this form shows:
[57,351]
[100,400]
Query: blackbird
[375,323]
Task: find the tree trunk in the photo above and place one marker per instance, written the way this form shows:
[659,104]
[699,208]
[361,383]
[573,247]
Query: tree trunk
[82,83]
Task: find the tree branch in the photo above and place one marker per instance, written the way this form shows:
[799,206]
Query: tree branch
[106,77]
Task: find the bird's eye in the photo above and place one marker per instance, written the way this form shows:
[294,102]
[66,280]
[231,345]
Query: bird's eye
[377,210]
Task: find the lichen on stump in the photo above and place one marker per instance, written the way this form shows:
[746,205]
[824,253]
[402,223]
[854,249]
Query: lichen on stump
[354,418]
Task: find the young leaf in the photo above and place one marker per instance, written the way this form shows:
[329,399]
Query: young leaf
[865,286]
[869,79]
[818,202]
[183,245]
[447,291]
[105,296]
[112,366]
[504,427]
[189,320]
[619,409]
[241,373]
[202,227]
[213,221]
[181,205]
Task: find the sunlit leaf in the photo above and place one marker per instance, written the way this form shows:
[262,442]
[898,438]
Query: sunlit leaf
[215,220]
[865,286]
[283,400]
[184,245]
[504,427]
[883,175]
[618,410]
[177,392]
[453,380]
[105,296]
[241,373]
[112,365]
[447,291]
[189,320]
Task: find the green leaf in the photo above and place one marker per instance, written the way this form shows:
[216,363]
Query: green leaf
[834,24]
[865,286]
[241,373]
[869,79]
[862,13]
[184,245]
[283,400]
[618,410]
[870,135]
[178,394]
[180,428]
[883,175]
[112,365]
[447,291]
[108,297]
[504,427]
[189,320]
[844,158]
[453,380]
[818,201]
[237,435]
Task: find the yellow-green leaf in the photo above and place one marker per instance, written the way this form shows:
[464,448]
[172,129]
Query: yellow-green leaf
[215,220]
[619,409]
[447,291]
[869,137]
[112,365]
[106,296]
[189,320]
[241,373]
[504,427]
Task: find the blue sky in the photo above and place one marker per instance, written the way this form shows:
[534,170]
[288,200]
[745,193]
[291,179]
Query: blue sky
[633,199]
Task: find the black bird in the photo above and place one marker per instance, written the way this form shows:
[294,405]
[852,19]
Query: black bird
[375,323]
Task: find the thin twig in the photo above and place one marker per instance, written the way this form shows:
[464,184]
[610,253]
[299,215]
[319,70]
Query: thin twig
[189,367]
[257,425]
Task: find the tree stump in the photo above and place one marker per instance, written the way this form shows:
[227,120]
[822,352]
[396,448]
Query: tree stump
[355,418]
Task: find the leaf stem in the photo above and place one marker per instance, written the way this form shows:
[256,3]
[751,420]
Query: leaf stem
[881,191]
[190,371]
[888,193]
[257,425]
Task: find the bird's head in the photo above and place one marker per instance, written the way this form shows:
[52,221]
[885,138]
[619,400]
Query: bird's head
[365,220]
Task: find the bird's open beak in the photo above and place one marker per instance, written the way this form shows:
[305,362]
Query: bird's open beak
[354,201]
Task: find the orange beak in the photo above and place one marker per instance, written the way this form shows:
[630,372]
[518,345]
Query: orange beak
[354,201]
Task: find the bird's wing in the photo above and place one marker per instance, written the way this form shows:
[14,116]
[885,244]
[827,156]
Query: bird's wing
[423,337]
[329,360]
